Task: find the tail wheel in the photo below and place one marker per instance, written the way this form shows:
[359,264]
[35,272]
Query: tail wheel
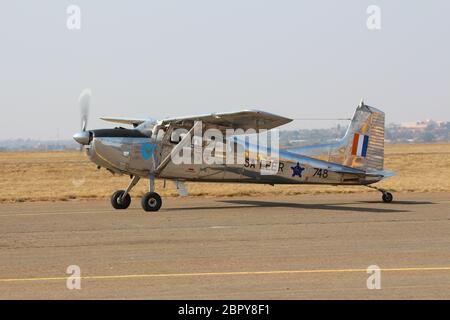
[118,203]
[151,201]
[387,197]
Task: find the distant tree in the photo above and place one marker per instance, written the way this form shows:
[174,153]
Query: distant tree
[427,136]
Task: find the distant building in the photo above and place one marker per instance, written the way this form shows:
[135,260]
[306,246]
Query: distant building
[421,125]
[415,125]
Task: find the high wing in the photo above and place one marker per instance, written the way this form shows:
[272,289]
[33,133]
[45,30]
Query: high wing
[246,119]
[134,122]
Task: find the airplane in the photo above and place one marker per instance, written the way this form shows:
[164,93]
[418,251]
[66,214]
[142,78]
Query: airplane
[148,150]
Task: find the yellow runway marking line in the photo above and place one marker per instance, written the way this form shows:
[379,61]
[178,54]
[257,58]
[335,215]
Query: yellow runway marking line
[231,273]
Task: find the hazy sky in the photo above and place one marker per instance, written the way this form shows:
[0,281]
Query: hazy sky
[171,58]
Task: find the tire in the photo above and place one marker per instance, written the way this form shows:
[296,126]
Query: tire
[151,201]
[387,197]
[120,205]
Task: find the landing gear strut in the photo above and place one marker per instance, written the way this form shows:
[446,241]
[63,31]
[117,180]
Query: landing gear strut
[387,196]
[151,201]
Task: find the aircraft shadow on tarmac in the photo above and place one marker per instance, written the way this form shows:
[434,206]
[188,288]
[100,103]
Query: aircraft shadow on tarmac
[404,202]
[312,206]
[243,204]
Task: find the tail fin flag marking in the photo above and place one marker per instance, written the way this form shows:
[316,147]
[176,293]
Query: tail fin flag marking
[364,146]
[360,144]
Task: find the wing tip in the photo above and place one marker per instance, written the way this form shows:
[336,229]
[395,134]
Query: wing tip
[122,120]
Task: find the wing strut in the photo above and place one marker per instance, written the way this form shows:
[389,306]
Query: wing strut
[185,141]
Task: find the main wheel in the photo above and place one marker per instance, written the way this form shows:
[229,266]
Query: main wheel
[117,201]
[151,201]
[387,197]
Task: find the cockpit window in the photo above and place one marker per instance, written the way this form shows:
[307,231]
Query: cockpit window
[146,128]
[160,134]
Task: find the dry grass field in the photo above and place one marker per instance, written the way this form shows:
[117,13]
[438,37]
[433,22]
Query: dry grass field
[52,176]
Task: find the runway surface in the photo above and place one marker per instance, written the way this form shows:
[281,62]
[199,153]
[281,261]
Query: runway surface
[296,247]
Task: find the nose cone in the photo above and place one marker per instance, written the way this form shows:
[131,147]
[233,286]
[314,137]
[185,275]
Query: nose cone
[82,137]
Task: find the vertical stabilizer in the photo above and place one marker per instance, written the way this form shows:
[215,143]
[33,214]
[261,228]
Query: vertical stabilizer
[362,146]
[364,139]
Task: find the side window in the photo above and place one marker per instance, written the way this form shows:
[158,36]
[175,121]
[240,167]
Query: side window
[160,135]
[178,135]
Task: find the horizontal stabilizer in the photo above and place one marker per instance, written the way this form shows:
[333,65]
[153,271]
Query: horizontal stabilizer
[381,173]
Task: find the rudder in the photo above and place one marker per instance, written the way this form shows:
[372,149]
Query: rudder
[364,139]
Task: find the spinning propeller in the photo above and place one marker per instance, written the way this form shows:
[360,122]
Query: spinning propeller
[84,137]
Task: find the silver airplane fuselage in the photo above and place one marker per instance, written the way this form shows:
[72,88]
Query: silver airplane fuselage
[127,151]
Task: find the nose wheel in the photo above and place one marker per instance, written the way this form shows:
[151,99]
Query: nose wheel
[119,201]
